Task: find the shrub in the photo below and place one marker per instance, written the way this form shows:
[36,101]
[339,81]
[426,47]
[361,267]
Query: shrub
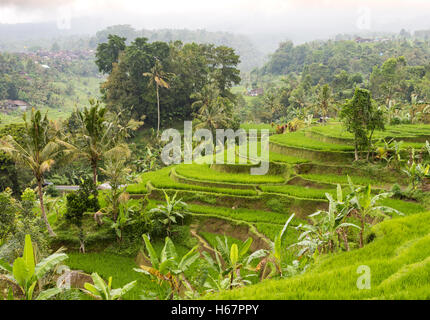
[52,191]
[396,191]
[28,222]
[275,205]
[84,200]
[7,216]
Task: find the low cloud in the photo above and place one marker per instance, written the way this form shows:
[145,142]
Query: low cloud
[33,4]
[297,19]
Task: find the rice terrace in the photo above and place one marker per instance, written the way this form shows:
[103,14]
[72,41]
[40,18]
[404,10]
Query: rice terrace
[184,164]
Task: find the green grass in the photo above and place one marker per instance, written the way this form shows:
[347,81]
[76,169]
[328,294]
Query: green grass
[299,140]
[399,256]
[403,130]
[261,126]
[120,268]
[84,88]
[247,215]
[271,231]
[211,239]
[414,145]
[204,172]
[161,180]
[267,223]
[343,179]
[405,207]
[277,157]
[399,262]
[107,265]
[298,191]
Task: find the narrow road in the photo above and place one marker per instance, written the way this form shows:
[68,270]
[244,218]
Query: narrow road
[75,188]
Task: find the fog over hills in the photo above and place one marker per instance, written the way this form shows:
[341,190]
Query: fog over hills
[256,27]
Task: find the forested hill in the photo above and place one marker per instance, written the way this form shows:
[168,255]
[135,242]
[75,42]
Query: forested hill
[26,40]
[250,56]
[354,56]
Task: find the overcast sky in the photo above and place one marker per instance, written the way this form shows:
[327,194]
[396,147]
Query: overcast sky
[311,17]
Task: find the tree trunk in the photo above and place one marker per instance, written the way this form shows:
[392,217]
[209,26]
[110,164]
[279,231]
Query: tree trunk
[345,239]
[356,151]
[81,240]
[370,145]
[158,110]
[94,165]
[187,283]
[361,233]
[42,208]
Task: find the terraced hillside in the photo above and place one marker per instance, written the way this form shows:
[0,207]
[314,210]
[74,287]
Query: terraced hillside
[304,166]
[399,261]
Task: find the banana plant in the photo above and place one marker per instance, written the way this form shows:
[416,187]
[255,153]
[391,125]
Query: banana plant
[229,262]
[126,211]
[327,228]
[168,268]
[25,273]
[366,205]
[385,152]
[397,157]
[101,290]
[416,174]
[171,211]
[427,147]
[274,259]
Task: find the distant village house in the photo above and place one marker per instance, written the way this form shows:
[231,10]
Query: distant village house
[255,92]
[12,105]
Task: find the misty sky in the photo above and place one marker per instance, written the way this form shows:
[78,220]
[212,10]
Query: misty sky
[314,18]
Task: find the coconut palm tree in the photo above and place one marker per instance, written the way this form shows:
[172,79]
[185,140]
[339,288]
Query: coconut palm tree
[324,101]
[97,136]
[38,152]
[214,115]
[204,98]
[116,170]
[158,78]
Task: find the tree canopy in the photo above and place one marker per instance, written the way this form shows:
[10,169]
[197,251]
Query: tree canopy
[192,66]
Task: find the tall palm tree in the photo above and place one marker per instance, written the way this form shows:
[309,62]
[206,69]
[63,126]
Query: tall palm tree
[214,115]
[211,110]
[116,170]
[158,78]
[38,152]
[94,138]
[204,98]
[324,100]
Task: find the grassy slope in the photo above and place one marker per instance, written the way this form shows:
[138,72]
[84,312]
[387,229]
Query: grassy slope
[107,265]
[120,268]
[204,172]
[335,179]
[299,140]
[404,130]
[160,179]
[333,276]
[399,261]
[84,88]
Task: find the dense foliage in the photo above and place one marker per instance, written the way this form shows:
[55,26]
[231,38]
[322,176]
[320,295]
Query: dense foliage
[191,67]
